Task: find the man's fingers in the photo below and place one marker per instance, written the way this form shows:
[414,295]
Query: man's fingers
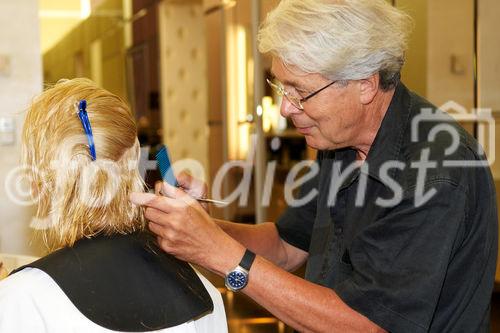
[150,200]
[162,188]
[188,182]
[184,179]
[170,191]
[158,187]
[195,187]
[176,193]
[156,215]
[155,228]
[141,199]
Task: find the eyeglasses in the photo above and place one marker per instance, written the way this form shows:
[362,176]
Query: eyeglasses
[295,100]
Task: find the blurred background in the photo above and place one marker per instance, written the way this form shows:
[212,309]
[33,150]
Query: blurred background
[195,81]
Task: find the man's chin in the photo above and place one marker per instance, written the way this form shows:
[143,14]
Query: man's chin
[311,142]
[318,144]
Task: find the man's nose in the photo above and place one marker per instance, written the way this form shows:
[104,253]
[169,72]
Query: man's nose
[287,108]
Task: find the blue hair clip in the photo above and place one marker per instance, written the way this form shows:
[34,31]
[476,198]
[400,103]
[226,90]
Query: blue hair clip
[84,118]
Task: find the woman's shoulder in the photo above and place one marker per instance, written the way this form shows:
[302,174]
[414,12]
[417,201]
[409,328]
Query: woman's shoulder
[20,297]
[28,288]
[25,281]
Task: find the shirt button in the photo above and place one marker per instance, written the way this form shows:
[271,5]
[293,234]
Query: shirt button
[338,231]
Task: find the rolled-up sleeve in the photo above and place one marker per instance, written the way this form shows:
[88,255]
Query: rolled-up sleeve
[295,225]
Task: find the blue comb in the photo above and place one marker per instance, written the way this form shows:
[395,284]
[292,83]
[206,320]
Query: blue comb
[163,162]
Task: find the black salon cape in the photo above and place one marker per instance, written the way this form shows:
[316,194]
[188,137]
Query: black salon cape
[126,283]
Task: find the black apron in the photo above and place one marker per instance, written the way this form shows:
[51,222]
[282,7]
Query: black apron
[126,283]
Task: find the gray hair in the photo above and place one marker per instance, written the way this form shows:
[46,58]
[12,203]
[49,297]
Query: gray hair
[340,39]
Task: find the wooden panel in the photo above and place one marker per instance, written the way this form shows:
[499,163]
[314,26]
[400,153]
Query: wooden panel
[414,73]
[489,79]
[497,277]
[450,52]
[184,80]
[489,54]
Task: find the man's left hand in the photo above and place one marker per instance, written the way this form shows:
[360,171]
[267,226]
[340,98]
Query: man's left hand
[185,230]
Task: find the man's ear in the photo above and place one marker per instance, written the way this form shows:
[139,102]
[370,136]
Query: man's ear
[368,88]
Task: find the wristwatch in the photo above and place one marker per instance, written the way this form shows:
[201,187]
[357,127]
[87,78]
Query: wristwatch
[237,278]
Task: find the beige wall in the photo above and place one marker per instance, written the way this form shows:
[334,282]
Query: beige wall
[183,59]
[489,78]
[489,55]
[62,60]
[19,40]
[451,37]
[489,73]
[414,73]
[440,59]
[57,18]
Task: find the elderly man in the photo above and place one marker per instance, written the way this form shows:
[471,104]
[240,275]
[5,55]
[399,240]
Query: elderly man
[401,232]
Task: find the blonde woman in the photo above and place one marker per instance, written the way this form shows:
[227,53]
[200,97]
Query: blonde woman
[104,271]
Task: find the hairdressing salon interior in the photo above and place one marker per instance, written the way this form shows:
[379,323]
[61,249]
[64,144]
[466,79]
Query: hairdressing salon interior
[192,74]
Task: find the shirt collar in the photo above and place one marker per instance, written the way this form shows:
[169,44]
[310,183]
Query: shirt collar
[389,139]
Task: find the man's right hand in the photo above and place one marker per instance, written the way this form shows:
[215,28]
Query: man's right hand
[196,188]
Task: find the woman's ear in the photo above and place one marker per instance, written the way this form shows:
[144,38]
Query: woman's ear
[369,88]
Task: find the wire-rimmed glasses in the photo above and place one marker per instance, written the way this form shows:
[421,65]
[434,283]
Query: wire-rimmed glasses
[295,99]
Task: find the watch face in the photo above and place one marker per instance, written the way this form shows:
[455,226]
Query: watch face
[236,280]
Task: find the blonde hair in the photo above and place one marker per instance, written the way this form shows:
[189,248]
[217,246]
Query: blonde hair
[340,39]
[79,197]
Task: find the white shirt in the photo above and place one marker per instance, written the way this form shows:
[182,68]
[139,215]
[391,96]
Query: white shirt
[31,302]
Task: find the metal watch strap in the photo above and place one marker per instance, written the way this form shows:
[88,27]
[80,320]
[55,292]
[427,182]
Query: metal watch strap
[247,260]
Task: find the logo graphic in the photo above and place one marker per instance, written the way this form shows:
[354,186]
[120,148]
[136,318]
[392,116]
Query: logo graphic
[481,119]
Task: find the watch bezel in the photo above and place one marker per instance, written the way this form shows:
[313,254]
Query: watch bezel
[238,269]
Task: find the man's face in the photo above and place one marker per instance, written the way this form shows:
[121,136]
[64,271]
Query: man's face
[331,119]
